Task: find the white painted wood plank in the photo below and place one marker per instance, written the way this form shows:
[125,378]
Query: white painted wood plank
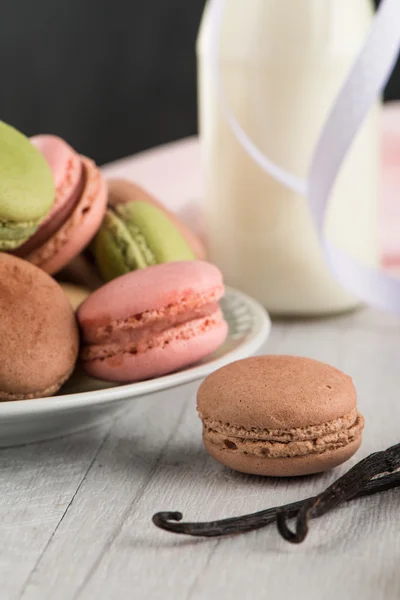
[37,484]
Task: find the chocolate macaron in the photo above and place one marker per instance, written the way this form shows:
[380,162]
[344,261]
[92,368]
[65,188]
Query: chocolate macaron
[280,416]
[39,339]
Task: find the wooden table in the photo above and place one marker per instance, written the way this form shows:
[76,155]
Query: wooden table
[76,513]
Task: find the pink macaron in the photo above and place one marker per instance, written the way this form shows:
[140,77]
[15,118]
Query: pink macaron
[78,210]
[152,321]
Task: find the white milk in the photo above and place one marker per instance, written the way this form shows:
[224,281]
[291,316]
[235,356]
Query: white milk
[282,63]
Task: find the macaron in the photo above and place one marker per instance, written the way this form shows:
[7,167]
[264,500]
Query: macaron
[76,294]
[152,321]
[26,188]
[78,210]
[136,234]
[122,191]
[279,416]
[39,338]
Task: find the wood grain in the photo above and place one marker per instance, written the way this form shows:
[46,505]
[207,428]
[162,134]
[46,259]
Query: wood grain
[76,512]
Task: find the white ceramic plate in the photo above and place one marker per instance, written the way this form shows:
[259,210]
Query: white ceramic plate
[83,403]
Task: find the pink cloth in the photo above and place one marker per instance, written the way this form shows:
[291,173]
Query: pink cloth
[390,220]
[173,174]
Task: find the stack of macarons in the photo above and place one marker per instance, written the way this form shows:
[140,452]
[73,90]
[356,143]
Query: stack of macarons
[94,272]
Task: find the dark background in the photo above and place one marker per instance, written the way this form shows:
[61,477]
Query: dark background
[111,76]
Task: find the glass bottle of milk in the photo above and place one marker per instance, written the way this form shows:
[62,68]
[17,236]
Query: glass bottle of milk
[282,63]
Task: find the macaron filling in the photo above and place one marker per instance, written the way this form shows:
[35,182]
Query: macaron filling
[285,443]
[179,320]
[12,234]
[151,338]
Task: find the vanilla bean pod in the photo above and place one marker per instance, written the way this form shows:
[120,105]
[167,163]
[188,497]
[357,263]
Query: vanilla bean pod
[362,480]
[345,488]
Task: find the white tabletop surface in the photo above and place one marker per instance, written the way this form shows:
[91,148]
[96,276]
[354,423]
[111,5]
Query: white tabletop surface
[75,513]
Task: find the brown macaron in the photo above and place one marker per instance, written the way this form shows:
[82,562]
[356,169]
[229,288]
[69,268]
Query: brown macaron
[280,416]
[39,338]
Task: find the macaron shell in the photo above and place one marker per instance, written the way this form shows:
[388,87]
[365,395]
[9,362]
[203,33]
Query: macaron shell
[38,332]
[122,191]
[282,467]
[155,236]
[80,227]
[26,187]
[148,289]
[26,182]
[285,392]
[64,162]
[159,360]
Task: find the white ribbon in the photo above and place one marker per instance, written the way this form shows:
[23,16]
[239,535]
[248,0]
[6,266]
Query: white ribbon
[366,80]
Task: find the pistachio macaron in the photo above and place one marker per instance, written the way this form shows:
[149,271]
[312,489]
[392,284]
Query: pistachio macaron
[280,416]
[137,234]
[122,191]
[27,189]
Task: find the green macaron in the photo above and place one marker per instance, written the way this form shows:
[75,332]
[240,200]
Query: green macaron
[136,235]
[26,188]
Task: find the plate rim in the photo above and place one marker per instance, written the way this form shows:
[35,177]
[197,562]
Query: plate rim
[259,333]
